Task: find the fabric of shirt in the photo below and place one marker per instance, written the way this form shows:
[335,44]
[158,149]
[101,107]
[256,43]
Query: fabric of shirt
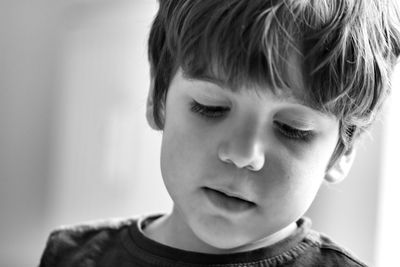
[122,243]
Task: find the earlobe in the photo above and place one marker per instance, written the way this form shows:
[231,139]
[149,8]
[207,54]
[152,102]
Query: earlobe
[150,107]
[341,168]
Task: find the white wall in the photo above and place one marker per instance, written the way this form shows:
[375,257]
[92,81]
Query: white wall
[347,211]
[105,155]
[27,70]
[73,81]
[388,231]
[74,144]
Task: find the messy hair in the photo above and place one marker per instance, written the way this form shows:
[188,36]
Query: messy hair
[347,50]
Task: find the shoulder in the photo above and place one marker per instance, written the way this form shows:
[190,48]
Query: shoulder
[332,254]
[83,242]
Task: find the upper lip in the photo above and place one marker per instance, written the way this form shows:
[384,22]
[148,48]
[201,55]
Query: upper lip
[232,194]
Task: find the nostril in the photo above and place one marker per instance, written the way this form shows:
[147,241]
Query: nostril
[242,155]
[251,168]
[256,166]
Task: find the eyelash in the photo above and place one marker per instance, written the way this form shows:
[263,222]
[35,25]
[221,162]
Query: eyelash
[216,112]
[209,112]
[293,133]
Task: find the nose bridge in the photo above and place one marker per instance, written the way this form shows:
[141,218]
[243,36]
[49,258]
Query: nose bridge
[245,134]
[243,145]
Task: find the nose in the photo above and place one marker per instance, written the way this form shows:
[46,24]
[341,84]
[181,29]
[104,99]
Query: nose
[243,148]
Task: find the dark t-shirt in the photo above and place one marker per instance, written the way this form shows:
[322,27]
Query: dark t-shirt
[122,243]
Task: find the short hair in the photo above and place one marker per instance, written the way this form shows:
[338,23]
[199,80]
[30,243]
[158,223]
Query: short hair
[347,51]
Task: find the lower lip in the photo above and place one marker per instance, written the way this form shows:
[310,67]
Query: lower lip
[230,204]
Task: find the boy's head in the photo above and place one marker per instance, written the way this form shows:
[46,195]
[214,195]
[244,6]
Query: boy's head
[265,98]
[346,51]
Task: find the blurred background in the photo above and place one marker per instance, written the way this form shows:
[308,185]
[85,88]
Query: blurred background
[74,144]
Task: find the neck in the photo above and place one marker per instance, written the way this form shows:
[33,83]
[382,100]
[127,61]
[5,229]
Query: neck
[171,230]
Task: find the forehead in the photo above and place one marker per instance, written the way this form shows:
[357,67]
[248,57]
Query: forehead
[292,82]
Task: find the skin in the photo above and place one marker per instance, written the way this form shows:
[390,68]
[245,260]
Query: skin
[243,151]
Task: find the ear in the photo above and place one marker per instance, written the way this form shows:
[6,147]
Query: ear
[341,167]
[150,107]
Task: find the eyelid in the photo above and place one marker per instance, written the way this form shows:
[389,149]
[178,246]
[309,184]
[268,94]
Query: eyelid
[294,127]
[222,106]
[211,99]
[298,124]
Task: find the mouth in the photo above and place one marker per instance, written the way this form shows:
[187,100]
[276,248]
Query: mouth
[228,202]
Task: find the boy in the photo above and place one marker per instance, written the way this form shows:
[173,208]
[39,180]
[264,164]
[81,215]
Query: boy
[259,102]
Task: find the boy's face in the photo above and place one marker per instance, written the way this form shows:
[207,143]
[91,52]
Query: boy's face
[268,149]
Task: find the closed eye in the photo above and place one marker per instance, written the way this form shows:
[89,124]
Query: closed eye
[209,112]
[293,133]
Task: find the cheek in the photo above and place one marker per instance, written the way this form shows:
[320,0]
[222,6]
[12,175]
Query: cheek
[289,181]
[184,152]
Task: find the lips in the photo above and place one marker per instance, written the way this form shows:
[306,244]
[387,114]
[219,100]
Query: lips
[228,201]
